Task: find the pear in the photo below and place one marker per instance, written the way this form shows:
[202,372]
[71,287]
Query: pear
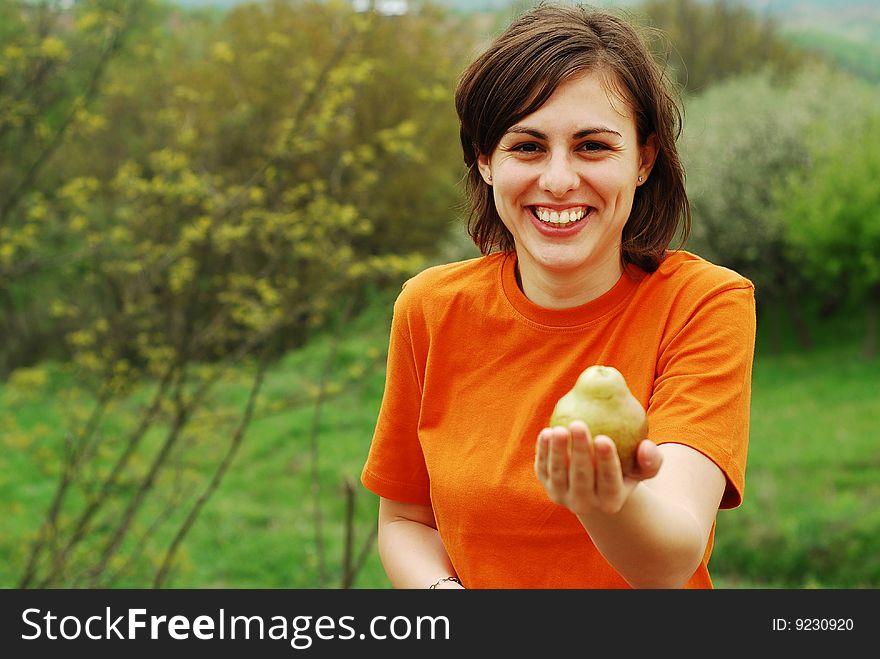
[601,399]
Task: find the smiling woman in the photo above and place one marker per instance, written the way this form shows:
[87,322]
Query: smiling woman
[576,192]
[563,182]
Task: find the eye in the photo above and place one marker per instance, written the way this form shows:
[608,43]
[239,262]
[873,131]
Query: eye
[593,146]
[527,147]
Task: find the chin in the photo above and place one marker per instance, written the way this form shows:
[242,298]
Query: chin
[569,258]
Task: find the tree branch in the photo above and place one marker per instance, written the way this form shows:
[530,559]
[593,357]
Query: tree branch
[314,448]
[223,467]
[33,171]
[70,468]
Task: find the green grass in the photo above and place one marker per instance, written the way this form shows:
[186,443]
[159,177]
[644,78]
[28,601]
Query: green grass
[259,527]
[809,518]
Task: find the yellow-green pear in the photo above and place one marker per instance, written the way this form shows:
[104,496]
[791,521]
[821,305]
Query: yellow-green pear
[601,399]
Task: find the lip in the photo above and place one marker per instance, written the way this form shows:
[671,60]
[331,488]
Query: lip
[563,231]
[559,207]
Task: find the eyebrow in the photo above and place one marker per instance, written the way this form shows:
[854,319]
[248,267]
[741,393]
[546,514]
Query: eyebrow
[578,135]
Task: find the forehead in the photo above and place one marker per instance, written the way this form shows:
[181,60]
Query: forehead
[582,99]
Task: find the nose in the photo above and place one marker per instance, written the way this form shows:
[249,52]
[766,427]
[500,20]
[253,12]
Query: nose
[559,176]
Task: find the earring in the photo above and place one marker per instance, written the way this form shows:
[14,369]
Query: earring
[641,180]
[489,178]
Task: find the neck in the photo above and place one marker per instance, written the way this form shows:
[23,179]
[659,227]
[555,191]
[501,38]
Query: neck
[563,289]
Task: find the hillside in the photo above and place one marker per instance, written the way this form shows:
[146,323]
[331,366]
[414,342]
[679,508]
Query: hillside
[853,19]
[847,32]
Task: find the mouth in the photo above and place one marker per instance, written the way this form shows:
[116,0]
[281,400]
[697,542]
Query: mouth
[560,218]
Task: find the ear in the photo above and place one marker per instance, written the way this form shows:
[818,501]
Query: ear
[647,156]
[485,169]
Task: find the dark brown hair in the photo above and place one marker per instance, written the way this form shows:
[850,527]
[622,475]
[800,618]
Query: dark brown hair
[519,72]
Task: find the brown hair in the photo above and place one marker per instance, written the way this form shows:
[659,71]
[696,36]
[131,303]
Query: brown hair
[519,72]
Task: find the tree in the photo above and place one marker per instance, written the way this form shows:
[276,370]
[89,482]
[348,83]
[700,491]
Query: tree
[222,93]
[247,206]
[732,157]
[742,140]
[53,64]
[831,213]
[712,41]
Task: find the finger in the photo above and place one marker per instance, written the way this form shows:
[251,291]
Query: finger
[609,477]
[557,464]
[582,472]
[542,450]
[648,460]
[579,429]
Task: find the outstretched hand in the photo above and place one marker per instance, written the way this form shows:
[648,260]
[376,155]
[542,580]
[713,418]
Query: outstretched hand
[584,474]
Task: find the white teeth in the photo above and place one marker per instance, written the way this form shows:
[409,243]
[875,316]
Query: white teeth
[560,218]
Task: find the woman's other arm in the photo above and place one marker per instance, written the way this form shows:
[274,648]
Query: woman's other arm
[410,547]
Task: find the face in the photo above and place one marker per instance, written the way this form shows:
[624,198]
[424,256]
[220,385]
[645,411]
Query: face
[563,181]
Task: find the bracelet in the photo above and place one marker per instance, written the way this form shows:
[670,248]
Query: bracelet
[439,581]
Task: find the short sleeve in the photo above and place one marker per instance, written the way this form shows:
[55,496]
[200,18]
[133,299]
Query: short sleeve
[702,390]
[395,466]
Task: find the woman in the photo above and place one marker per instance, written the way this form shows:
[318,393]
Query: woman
[577,192]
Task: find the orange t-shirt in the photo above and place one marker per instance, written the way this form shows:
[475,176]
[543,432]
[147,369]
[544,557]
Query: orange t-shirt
[475,369]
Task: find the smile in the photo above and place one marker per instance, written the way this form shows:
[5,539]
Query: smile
[560,218]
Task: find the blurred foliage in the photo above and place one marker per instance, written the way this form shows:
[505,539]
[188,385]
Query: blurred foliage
[735,161]
[213,193]
[53,62]
[831,211]
[859,56]
[713,41]
[235,170]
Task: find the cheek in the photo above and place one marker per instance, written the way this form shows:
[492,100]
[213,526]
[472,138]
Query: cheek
[613,185]
[502,194]
[510,183]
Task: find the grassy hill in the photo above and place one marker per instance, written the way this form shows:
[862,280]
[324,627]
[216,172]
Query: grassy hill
[278,520]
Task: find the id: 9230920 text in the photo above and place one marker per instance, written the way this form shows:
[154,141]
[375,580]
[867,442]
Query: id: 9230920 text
[812,624]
